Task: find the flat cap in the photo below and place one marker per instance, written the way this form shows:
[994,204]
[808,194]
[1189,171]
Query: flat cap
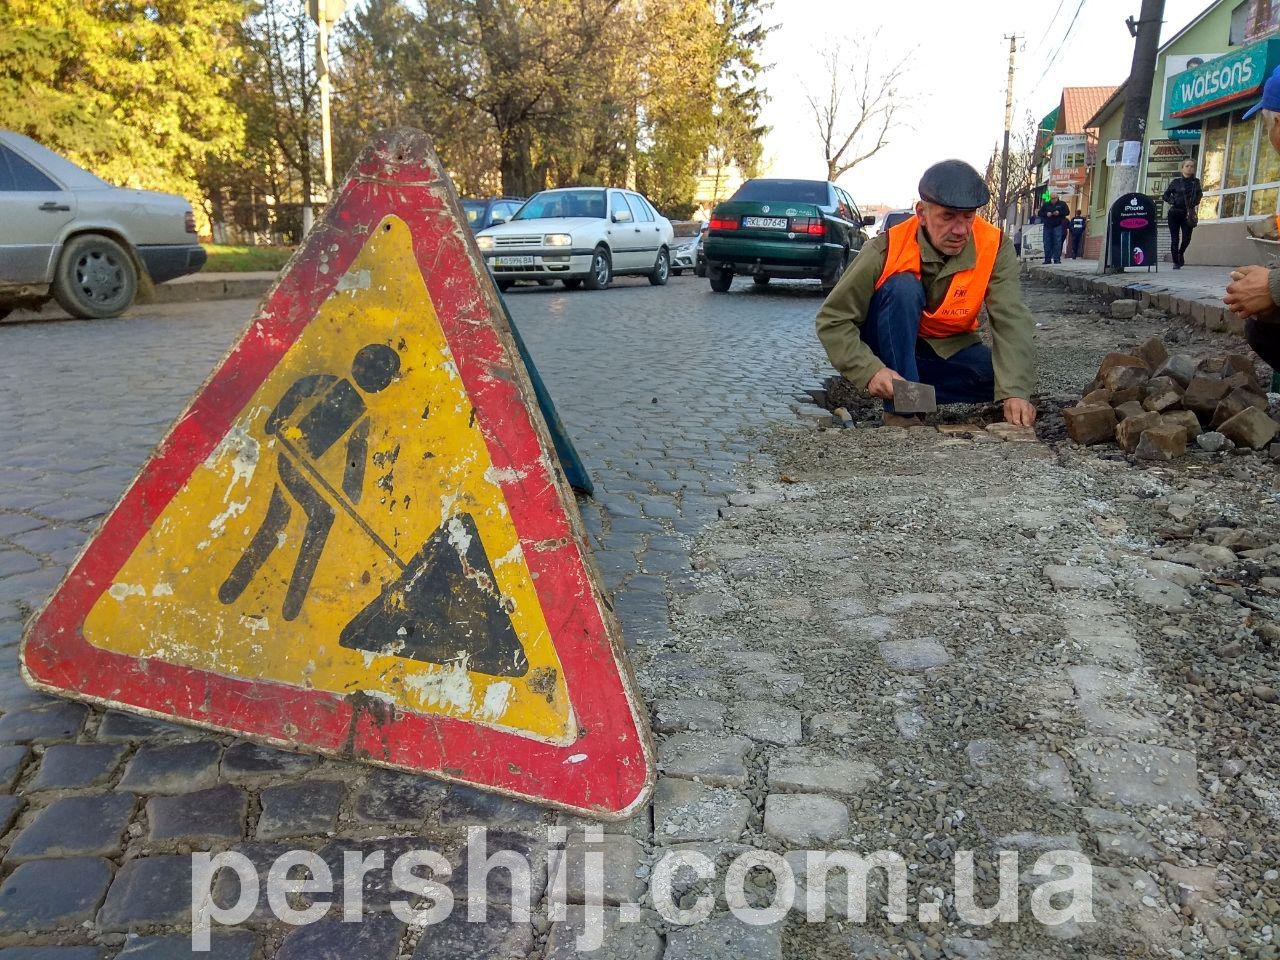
[953,183]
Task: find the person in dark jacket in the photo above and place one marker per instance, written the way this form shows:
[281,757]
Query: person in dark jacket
[1183,197]
[1053,214]
[1078,223]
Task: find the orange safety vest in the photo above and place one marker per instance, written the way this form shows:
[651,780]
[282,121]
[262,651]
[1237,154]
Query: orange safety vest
[958,312]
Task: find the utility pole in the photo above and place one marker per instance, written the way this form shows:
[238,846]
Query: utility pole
[1137,100]
[1008,124]
[325,13]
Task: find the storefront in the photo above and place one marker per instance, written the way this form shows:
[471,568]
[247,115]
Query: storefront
[1238,168]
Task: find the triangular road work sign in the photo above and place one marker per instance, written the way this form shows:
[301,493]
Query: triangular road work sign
[357,538]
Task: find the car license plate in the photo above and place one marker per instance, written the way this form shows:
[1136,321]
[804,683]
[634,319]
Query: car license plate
[514,261]
[768,223]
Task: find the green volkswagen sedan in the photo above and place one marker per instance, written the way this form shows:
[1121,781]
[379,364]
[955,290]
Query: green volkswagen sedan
[807,229]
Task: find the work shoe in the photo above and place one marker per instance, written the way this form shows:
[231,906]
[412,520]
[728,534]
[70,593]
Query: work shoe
[898,420]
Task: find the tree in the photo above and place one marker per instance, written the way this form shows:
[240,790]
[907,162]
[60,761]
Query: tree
[1023,161]
[858,107]
[135,90]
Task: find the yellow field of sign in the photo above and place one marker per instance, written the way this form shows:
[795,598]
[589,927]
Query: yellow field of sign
[392,461]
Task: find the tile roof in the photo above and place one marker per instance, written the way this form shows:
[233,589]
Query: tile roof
[1079,104]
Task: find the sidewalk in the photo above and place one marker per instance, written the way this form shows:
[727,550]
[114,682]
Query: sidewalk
[1194,292]
[215,286]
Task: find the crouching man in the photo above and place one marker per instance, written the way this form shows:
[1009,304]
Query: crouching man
[908,306]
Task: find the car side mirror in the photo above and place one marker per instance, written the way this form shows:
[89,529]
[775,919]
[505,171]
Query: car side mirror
[498,218]
[868,221]
[622,218]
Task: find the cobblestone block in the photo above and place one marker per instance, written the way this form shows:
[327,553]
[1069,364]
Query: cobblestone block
[620,860]
[712,758]
[1250,428]
[497,938]
[53,953]
[376,937]
[233,945]
[497,885]
[724,937]
[767,722]
[1141,775]
[68,766]
[808,771]
[205,815]
[13,562]
[87,826]
[225,888]
[379,890]
[676,715]
[146,891]
[300,809]
[176,768]
[685,811]
[13,758]
[914,656]
[1091,423]
[53,894]
[392,797]
[800,819]
[119,727]
[59,720]
[465,806]
[622,941]
[12,524]
[32,588]
[248,761]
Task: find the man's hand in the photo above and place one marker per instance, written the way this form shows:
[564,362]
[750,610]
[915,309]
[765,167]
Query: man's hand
[881,385]
[1019,412]
[1249,293]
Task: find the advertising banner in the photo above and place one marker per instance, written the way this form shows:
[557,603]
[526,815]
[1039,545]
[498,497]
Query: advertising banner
[1068,166]
[1132,233]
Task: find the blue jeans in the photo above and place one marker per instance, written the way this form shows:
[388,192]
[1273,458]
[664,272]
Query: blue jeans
[892,330]
[1053,244]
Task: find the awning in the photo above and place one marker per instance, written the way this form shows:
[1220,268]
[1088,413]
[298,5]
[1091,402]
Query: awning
[1228,82]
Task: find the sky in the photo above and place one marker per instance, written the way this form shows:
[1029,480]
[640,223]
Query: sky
[955,82]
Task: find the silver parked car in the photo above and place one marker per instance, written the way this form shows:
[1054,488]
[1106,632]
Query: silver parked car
[67,234]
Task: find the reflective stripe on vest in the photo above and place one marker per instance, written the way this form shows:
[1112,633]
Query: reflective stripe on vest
[959,310]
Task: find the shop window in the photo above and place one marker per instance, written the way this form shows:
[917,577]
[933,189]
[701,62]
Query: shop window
[1239,171]
[1263,203]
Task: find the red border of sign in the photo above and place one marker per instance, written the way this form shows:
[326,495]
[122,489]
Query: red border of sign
[608,772]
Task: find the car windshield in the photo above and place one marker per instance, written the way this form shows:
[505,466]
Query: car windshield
[789,191]
[564,203]
[474,209]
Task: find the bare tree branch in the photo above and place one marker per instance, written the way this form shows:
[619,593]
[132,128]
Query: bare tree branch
[860,108]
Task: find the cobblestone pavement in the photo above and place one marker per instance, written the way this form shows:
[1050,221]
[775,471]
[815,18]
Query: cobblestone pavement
[659,388]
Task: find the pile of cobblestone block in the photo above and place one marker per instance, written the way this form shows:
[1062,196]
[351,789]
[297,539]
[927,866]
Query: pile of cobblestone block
[1154,404]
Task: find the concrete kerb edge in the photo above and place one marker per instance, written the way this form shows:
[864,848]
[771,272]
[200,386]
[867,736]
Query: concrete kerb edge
[1209,314]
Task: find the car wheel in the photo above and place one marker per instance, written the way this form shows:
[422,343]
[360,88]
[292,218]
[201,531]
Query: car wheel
[761,280]
[546,283]
[677,271]
[661,269]
[721,280]
[601,270]
[573,283]
[96,278]
[830,279]
[701,269]
[504,285]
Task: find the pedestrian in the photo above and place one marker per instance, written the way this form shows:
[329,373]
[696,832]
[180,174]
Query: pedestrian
[1053,214]
[1078,223]
[908,306]
[1183,197]
[1254,292]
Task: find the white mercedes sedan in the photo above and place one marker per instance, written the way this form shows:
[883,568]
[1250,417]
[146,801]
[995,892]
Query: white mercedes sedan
[580,235]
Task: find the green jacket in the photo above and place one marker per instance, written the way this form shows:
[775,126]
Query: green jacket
[1012,329]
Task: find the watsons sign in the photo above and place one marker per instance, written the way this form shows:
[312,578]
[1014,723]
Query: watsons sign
[1220,83]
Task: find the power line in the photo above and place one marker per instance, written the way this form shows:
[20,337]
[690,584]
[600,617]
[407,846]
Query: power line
[1048,28]
[1061,45]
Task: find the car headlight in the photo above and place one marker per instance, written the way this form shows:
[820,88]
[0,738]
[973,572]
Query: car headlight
[557,240]
[484,243]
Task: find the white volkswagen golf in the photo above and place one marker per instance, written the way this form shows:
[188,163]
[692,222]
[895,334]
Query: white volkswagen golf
[580,235]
